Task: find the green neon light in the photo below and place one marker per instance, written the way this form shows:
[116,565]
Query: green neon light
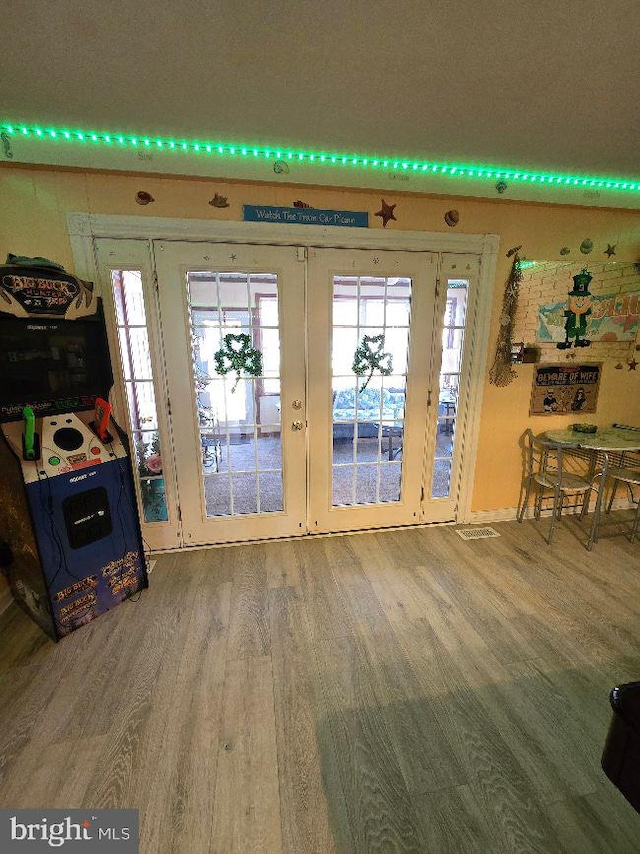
[222,149]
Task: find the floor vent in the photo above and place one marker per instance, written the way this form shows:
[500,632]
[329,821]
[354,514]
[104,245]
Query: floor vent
[476,533]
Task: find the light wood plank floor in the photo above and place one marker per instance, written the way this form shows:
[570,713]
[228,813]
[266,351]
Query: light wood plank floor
[401,691]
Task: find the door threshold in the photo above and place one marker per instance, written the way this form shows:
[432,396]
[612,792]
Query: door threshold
[301,538]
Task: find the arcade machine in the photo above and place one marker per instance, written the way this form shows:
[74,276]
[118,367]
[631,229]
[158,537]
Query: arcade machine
[68,519]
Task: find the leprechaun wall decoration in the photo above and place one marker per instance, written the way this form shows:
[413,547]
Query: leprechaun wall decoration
[577,312]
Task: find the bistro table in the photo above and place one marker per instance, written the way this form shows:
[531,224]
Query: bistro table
[606,439]
[606,444]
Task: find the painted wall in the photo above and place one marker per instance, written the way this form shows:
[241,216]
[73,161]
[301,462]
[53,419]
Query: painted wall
[36,201]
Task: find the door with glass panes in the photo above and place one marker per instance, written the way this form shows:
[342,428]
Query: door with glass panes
[282,416]
[370,318]
[139,394]
[234,348]
[449,415]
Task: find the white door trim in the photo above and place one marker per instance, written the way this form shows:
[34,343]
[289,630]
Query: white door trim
[83,227]
[198,230]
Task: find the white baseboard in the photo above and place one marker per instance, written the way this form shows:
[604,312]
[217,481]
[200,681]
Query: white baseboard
[484,517]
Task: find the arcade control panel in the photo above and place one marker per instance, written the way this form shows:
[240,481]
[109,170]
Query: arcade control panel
[62,443]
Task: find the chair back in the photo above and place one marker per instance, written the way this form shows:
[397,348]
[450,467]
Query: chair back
[560,464]
[543,457]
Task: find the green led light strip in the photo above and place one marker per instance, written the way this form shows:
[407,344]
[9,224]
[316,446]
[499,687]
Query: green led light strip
[220,149]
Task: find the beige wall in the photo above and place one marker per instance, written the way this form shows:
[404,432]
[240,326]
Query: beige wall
[35,203]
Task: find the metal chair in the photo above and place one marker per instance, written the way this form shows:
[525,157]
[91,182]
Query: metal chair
[553,469]
[209,438]
[627,471]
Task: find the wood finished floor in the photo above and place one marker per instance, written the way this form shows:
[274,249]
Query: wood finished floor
[403,691]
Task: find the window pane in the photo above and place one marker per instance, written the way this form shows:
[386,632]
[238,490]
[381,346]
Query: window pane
[370,346]
[441,479]
[135,357]
[125,358]
[457,292]
[154,500]
[242,457]
[453,338]
[142,405]
[134,298]
[139,353]
[271,494]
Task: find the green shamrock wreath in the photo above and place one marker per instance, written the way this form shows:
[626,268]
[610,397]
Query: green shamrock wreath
[238,355]
[370,357]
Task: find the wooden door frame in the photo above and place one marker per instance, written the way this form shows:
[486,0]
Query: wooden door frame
[83,228]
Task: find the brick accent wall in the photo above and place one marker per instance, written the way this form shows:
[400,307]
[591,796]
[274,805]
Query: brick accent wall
[547,283]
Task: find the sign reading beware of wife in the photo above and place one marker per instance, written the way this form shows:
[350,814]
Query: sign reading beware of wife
[560,389]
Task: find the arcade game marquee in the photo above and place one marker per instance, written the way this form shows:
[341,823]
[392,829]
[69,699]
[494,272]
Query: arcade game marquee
[69,525]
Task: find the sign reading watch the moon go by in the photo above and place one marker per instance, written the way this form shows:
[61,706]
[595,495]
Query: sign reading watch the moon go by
[305,216]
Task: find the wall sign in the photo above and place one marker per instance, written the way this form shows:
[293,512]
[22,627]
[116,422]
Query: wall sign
[560,389]
[305,216]
[30,291]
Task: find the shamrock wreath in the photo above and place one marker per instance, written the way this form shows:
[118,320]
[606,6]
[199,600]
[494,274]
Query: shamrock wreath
[238,355]
[369,357]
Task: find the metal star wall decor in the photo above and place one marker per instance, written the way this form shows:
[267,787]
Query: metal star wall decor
[238,355]
[386,213]
[369,357]
[632,364]
[610,250]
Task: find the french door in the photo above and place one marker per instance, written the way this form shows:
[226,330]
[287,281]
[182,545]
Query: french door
[370,321]
[234,349]
[275,391]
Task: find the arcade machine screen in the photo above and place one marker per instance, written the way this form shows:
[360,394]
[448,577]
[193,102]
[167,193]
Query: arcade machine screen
[50,363]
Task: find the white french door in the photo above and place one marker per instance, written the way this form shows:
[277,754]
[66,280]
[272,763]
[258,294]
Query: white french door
[274,391]
[370,321]
[234,348]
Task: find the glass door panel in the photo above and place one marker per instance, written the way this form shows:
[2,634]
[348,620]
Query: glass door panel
[234,320]
[370,334]
[139,393]
[450,361]
[135,357]
[368,374]
[228,429]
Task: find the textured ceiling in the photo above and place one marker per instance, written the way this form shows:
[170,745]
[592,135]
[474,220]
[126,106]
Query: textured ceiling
[545,84]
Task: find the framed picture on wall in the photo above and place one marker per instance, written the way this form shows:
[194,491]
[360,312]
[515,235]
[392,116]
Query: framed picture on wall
[565,389]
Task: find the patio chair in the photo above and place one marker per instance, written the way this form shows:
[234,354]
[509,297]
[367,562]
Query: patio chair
[560,472]
[209,438]
[627,471]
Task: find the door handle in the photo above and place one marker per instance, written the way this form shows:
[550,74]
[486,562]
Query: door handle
[296,425]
